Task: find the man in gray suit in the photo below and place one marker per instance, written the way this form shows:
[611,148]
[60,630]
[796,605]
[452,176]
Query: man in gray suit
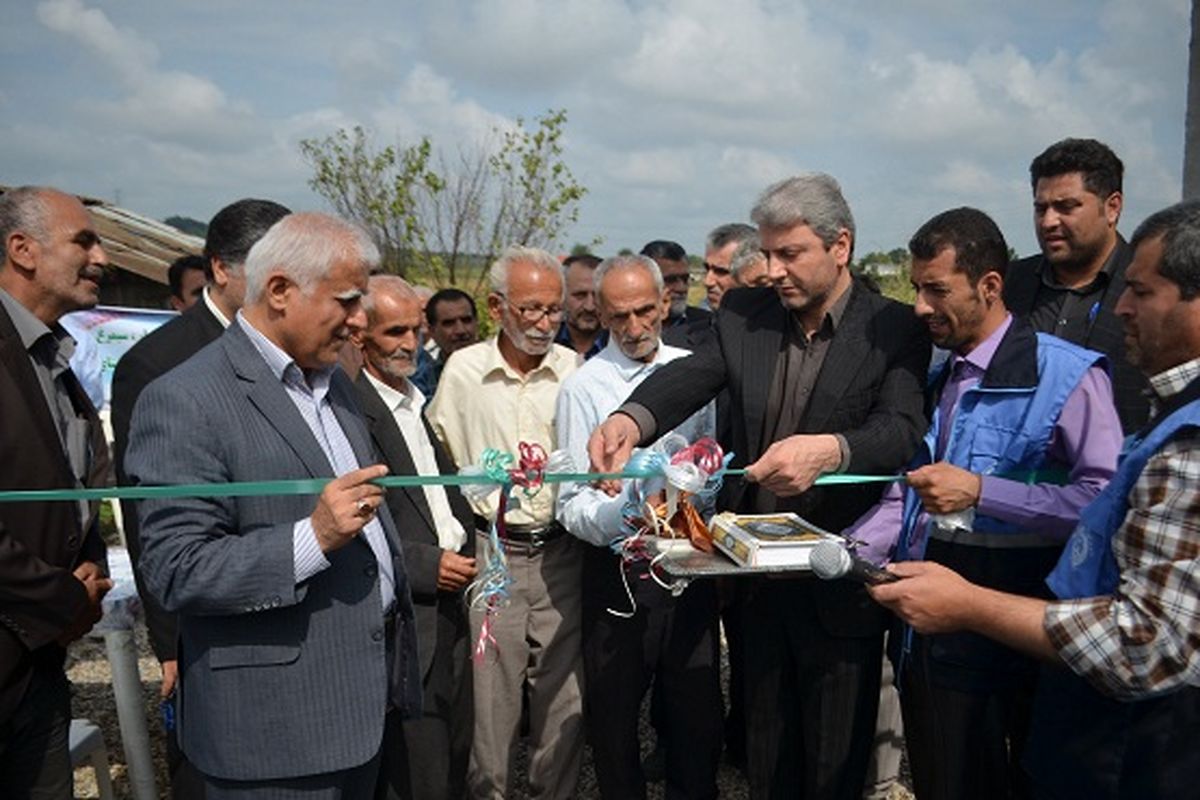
[295,620]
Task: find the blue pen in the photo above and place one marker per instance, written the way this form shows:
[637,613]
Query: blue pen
[1093,311]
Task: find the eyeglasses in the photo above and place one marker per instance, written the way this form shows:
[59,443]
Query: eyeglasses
[534,314]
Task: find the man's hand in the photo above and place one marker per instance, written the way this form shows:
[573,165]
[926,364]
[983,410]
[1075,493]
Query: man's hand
[345,506]
[610,446]
[790,465]
[945,488]
[170,674]
[96,585]
[455,571]
[931,598]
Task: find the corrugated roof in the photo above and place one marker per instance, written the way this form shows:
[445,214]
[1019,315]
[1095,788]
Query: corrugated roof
[135,243]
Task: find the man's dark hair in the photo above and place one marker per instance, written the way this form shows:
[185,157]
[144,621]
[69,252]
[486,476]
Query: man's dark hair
[586,259]
[1102,170]
[979,246]
[235,229]
[1179,227]
[661,248]
[180,266]
[448,295]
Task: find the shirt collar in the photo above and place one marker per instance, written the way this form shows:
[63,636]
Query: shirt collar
[557,360]
[32,330]
[627,368]
[214,308]
[395,399]
[1104,275]
[1172,381]
[981,356]
[283,366]
[833,317]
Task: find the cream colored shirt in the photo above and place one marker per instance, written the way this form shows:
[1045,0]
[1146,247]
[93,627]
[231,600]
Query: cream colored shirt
[406,410]
[483,402]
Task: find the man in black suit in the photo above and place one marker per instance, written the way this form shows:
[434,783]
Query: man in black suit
[231,233]
[1071,288]
[824,376]
[51,554]
[425,758]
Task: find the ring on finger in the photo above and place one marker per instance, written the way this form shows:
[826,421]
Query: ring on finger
[364,508]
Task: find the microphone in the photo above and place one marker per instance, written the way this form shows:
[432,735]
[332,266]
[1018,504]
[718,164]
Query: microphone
[831,560]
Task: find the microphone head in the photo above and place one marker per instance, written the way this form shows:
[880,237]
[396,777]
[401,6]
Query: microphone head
[829,560]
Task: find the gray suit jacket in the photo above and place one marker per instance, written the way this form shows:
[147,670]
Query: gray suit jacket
[277,679]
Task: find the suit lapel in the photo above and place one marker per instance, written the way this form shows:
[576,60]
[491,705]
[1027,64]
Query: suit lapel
[393,447]
[760,354]
[268,395]
[848,351]
[14,360]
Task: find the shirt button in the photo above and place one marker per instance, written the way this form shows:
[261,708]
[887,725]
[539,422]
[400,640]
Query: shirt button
[377,635]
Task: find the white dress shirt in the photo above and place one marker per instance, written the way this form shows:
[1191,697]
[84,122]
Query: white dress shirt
[405,408]
[594,391]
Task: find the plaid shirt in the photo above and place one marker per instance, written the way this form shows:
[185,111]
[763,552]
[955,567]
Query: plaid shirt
[1143,639]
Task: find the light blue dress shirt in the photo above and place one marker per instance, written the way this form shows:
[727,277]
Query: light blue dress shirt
[311,398]
[587,397]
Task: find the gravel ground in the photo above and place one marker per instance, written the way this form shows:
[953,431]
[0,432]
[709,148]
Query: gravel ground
[88,670]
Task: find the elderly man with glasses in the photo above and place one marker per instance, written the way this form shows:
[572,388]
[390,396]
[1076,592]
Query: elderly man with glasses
[501,393]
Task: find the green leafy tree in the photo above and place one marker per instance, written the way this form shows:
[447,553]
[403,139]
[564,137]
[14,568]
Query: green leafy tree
[450,217]
[380,189]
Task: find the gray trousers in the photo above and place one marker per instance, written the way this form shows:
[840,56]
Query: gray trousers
[538,647]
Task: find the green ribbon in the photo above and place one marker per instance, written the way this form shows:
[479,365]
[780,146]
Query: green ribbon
[316,485]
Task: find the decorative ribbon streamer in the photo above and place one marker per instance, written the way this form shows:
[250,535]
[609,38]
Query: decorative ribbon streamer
[468,477]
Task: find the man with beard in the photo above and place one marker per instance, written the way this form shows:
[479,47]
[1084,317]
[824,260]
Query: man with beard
[1117,712]
[423,758]
[581,330]
[51,554]
[823,375]
[452,324]
[1071,288]
[670,639]
[1024,435]
[501,394]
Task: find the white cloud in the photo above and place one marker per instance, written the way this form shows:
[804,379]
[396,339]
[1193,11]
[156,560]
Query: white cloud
[165,104]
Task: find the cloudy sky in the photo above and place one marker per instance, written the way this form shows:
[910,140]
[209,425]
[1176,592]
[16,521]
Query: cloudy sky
[680,110]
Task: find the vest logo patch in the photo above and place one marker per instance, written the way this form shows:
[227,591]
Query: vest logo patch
[1080,545]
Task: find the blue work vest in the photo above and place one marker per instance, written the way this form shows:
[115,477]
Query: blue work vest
[1088,567]
[1003,424]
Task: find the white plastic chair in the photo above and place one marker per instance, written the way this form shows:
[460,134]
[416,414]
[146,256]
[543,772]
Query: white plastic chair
[87,747]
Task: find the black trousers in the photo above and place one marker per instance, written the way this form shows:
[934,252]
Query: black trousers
[426,758]
[1085,745]
[673,637]
[963,740]
[35,761]
[811,697]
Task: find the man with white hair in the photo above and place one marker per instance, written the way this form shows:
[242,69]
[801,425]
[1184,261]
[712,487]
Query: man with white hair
[295,620]
[624,645]
[501,394]
[426,758]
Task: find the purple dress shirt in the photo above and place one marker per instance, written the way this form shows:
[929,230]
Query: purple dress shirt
[1086,436]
